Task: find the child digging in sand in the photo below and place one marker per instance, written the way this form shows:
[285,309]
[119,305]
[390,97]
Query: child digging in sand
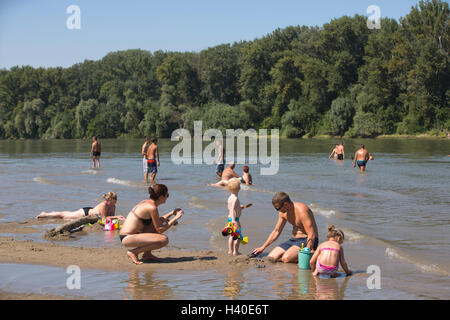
[235,211]
[329,254]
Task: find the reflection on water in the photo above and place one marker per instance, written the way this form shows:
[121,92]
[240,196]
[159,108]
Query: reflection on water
[233,284]
[145,286]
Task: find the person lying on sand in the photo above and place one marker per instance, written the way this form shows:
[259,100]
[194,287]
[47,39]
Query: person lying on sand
[143,227]
[104,209]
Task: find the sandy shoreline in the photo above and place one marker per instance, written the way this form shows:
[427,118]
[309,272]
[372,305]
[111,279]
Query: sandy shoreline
[112,259]
[56,254]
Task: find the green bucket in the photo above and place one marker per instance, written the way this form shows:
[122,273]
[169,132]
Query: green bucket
[303,260]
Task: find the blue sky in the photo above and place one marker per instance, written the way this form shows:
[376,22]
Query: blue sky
[34,32]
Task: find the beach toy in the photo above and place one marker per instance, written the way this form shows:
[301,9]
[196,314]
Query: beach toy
[229,230]
[304,255]
[111,224]
[237,235]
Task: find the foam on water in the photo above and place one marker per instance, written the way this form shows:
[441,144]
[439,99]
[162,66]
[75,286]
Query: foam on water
[42,180]
[90,171]
[127,183]
[424,267]
[323,212]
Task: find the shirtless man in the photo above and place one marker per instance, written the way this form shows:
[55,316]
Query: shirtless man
[304,230]
[227,174]
[335,153]
[96,150]
[152,158]
[144,159]
[220,162]
[340,151]
[361,158]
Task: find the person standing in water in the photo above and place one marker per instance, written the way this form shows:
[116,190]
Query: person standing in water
[340,151]
[220,158]
[334,153]
[361,158]
[96,151]
[144,159]
[153,158]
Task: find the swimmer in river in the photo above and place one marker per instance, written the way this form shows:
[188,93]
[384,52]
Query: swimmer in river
[153,158]
[361,158]
[96,151]
[227,174]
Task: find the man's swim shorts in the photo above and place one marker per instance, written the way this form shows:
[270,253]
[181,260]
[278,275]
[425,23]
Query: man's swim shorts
[297,242]
[361,163]
[152,168]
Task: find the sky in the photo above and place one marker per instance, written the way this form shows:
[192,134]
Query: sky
[35,32]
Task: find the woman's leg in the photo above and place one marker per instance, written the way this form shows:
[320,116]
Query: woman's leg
[62,214]
[143,242]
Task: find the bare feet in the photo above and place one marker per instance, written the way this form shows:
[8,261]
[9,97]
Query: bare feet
[236,254]
[133,257]
[41,215]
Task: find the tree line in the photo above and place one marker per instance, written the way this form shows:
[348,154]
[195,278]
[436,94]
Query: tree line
[341,79]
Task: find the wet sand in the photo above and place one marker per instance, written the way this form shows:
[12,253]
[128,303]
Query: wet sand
[56,254]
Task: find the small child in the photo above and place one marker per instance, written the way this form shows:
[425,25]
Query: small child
[246,177]
[329,253]
[235,211]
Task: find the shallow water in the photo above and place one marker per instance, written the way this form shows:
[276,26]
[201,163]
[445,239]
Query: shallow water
[395,216]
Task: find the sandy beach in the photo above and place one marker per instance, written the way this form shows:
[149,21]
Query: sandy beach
[57,254]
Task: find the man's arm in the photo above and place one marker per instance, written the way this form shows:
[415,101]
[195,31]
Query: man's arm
[309,229]
[157,155]
[220,157]
[273,235]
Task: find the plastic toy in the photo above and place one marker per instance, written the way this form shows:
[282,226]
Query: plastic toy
[110,224]
[230,230]
[237,235]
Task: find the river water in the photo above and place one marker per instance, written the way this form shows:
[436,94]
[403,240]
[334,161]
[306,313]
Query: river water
[395,216]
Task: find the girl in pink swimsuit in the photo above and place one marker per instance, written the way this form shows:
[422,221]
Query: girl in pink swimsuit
[329,254]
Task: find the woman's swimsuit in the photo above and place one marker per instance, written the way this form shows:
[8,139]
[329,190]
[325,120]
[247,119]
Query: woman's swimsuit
[326,269]
[86,210]
[146,222]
